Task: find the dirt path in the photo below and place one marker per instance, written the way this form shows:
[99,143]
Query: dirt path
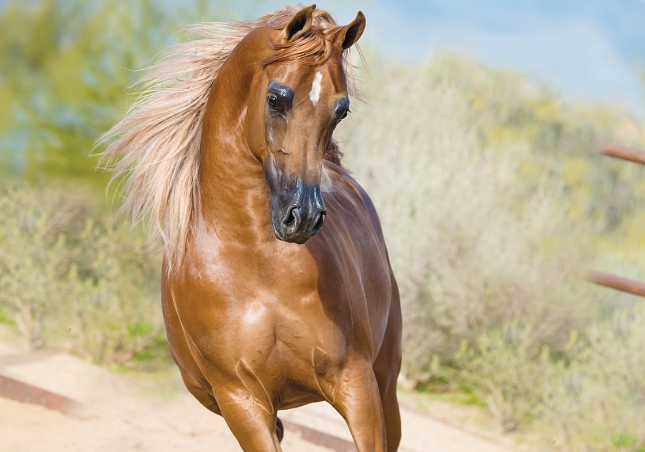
[126,415]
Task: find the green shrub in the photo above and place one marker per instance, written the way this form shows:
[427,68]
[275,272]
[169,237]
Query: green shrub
[592,399]
[503,370]
[483,183]
[601,405]
[76,278]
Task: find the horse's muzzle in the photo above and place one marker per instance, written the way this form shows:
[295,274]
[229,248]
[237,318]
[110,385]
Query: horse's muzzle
[298,213]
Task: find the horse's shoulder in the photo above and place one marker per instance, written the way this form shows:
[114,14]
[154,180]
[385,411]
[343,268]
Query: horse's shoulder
[343,182]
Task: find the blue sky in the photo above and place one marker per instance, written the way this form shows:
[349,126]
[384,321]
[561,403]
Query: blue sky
[586,49]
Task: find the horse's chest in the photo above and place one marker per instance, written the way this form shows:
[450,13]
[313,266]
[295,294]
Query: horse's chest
[237,314]
[282,329]
[293,318]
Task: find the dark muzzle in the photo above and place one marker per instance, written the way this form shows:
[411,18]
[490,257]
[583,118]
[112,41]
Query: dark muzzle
[298,213]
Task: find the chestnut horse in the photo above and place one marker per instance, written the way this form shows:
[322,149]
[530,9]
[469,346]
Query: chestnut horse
[276,287]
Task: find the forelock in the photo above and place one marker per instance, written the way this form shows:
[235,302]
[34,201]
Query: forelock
[314,47]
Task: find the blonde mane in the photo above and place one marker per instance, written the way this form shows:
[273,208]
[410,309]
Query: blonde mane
[155,147]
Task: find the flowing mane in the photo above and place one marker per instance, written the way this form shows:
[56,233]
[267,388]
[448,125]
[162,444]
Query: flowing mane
[155,148]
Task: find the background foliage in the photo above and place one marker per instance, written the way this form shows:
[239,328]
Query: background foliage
[72,276]
[495,202]
[493,198]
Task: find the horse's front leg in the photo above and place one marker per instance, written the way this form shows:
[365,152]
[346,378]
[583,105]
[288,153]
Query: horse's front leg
[254,425]
[356,397]
[248,409]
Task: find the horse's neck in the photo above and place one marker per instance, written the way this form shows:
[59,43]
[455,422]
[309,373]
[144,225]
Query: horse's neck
[234,196]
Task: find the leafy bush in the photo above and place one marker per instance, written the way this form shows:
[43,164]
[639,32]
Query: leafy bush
[503,370]
[592,399]
[72,277]
[600,401]
[469,170]
[64,68]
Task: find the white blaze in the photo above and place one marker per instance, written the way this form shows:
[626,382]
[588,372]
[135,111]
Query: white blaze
[314,94]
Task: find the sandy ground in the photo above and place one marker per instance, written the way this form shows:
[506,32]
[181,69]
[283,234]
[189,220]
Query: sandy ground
[122,414]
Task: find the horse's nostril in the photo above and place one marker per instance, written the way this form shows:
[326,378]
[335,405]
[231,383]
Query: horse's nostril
[292,218]
[319,223]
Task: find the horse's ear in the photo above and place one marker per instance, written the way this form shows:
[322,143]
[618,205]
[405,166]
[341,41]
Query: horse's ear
[349,34]
[300,23]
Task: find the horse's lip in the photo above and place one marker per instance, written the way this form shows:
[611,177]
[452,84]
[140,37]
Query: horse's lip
[298,238]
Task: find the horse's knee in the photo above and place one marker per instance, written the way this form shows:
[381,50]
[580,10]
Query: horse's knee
[254,426]
[357,399]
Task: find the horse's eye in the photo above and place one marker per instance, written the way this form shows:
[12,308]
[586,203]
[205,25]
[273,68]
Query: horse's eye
[272,101]
[344,114]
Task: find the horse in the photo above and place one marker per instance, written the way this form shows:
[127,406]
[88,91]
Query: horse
[277,289]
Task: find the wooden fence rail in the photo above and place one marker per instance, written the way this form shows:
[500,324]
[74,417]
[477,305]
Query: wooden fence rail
[617,282]
[624,153]
[607,279]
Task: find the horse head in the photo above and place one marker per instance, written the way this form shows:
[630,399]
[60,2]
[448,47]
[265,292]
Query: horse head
[297,104]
